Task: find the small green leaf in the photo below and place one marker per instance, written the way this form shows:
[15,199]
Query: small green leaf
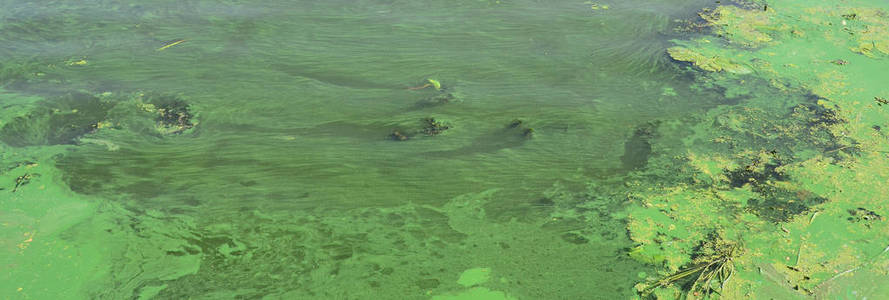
[435,83]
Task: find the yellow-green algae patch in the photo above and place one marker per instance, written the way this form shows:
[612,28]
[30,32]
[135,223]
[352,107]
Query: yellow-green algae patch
[471,278]
[38,215]
[474,276]
[796,172]
[745,27]
[705,62]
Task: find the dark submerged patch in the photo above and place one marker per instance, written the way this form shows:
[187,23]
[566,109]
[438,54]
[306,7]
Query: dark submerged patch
[774,203]
[59,121]
[637,149]
[174,114]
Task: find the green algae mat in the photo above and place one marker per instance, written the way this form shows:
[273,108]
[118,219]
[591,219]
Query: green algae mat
[470,149]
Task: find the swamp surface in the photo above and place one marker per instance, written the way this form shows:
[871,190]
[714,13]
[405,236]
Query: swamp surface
[468,149]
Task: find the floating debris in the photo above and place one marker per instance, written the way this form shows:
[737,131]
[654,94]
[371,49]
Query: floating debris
[429,83]
[171,43]
[22,180]
[714,266]
[77,62]
[432,127]
[863,215]
[428,126]
[398,136]
[525,131]
[528,132]
[173,114]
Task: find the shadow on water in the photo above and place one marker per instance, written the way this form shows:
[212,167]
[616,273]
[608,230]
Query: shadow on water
[506,138]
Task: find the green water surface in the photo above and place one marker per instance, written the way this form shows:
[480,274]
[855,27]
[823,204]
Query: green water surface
[287,183]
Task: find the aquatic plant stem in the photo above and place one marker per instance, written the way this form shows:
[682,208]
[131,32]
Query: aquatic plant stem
[852,269]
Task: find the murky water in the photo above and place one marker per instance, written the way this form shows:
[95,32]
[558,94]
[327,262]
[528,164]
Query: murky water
[260,156]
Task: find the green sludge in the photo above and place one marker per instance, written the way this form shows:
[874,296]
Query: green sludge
[796,170]
[256,159]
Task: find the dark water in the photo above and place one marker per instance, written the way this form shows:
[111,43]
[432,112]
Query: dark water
[278,175]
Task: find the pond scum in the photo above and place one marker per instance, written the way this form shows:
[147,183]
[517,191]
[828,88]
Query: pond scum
[788,183]
[781,193]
